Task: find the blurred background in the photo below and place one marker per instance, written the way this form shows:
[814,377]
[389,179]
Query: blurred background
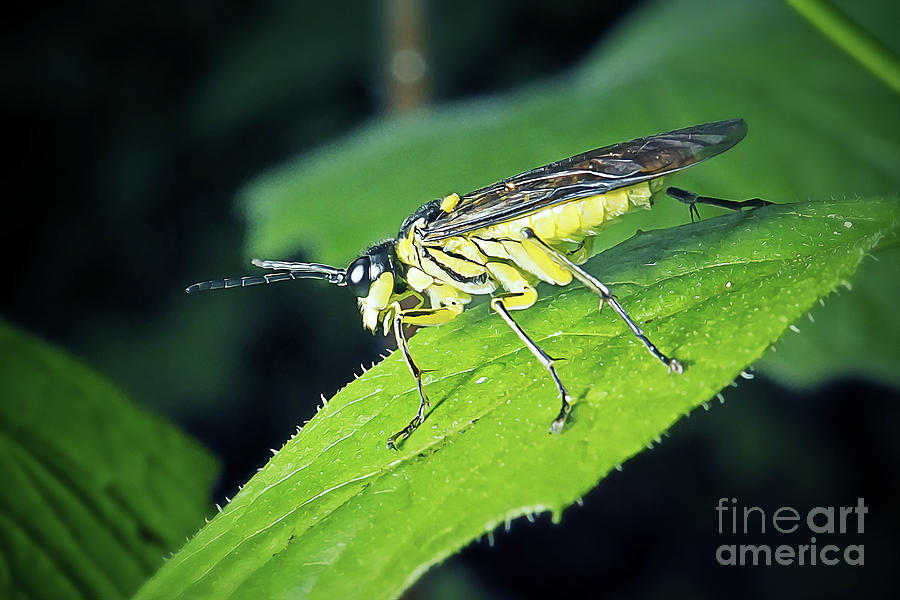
[138,137]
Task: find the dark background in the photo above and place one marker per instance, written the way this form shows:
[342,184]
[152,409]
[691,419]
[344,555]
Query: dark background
[131,129]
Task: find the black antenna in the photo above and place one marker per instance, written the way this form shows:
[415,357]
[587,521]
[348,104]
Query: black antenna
[292,270]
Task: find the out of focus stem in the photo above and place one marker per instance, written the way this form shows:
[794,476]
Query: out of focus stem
[853,39]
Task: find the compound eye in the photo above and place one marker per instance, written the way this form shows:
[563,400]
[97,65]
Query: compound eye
[358,276]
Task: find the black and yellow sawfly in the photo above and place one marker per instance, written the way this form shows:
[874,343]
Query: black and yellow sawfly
[504,238]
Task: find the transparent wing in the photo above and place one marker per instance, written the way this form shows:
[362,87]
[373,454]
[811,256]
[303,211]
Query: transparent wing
[585,175]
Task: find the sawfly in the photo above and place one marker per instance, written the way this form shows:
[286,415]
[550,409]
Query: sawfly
[503,239]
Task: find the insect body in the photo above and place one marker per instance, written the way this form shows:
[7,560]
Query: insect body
[503,239]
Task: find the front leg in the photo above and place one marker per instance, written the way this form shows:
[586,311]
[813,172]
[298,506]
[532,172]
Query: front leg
[420,317]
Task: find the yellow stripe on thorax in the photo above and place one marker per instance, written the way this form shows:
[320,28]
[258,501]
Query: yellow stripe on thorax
[406,251]
[449,202]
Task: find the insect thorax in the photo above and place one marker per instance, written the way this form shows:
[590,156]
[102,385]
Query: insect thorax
[426,213]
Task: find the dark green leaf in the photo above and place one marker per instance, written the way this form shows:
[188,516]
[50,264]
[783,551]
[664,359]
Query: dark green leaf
[95,491]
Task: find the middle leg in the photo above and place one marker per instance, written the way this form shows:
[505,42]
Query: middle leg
[501,305]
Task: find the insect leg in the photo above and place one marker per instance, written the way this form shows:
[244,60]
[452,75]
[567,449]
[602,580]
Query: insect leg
[593,284]
[417,316]
[692,200]
[417,373]
[518,300]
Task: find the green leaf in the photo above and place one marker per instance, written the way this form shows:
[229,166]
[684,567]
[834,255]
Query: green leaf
[820,126]
[336,515]
[95,491]
[854,334]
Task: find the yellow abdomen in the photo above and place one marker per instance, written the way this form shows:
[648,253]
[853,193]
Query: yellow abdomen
[575,220]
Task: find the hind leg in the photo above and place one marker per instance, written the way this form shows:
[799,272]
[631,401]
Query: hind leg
[692,200]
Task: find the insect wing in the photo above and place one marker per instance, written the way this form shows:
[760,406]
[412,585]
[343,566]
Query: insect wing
[589,174]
